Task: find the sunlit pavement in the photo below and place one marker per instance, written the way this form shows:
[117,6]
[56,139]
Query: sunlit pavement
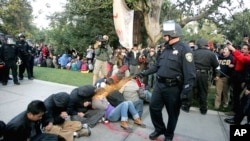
[191,126]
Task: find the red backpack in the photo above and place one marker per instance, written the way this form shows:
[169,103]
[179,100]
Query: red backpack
[84,67]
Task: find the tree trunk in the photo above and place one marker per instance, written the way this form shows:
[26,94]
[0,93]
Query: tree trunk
[151,21]
[137,36]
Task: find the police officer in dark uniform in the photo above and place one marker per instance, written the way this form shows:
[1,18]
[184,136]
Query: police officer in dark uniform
[32,53]
[9,54]
[204,60]
[175,76]
[24,51]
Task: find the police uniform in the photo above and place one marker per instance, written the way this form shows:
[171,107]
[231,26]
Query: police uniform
[204,60]
[24,51]
[175,72]
[9,53]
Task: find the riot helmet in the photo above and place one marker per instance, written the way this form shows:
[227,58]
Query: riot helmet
[202,43]
[10,40]
[172,29]
[21,35]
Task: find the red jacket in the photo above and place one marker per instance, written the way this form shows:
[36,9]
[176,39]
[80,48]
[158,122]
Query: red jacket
[240,60]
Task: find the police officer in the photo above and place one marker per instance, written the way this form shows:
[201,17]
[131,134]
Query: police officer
[175,72]
[24,51]
[32,53]
[204,60]
[9,54]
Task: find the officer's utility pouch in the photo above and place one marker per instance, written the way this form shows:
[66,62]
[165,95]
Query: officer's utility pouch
[167,81]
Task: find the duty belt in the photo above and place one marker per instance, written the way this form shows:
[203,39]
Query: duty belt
[167,81]
[202,71]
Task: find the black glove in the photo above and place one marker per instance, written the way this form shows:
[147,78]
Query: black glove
[185,106]
[139,75]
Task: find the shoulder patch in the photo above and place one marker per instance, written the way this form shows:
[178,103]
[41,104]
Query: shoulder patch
[189,57]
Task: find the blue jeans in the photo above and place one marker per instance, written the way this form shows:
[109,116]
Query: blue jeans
[139,106]
[121,111]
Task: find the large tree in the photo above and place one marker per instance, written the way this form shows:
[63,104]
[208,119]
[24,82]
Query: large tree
[183,11]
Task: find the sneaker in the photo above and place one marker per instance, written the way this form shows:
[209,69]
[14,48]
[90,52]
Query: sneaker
[125,126]
[83,132]
[139,123]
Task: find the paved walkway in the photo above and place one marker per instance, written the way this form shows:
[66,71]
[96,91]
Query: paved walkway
[191,126]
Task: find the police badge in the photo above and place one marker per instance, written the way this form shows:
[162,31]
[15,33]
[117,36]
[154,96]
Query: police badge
[189,57]
[175,52]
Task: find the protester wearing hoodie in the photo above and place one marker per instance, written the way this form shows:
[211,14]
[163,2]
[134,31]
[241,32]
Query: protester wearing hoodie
[58,119]
[80,107]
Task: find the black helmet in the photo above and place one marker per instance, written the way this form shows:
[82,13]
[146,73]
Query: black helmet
[202,43]
[171,28]
[10,40]
[21,35]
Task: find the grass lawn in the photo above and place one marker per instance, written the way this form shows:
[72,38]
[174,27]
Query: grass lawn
[76,78]
[68,77]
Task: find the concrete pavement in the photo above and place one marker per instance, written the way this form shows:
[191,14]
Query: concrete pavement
[191,126]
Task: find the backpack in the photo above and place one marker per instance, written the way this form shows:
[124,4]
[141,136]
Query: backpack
[84,67]
[115,98]
[74,67]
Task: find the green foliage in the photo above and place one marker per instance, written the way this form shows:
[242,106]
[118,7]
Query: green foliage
[70,30]
[208,30]
[16,16]
[237,26]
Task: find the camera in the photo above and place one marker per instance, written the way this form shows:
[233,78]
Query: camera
[102,40]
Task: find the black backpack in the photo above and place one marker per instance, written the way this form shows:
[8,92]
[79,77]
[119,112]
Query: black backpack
[115,98]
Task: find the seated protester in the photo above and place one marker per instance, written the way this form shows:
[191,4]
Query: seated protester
[26,125]
[74,65]
[115,70]
[114,97]
[121,111]
[79,62]
[80,108]
[2,130]
[130,92]
[84,67]
[57,123]
[114,78]
[124,70]
[63,61]
[100,83]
